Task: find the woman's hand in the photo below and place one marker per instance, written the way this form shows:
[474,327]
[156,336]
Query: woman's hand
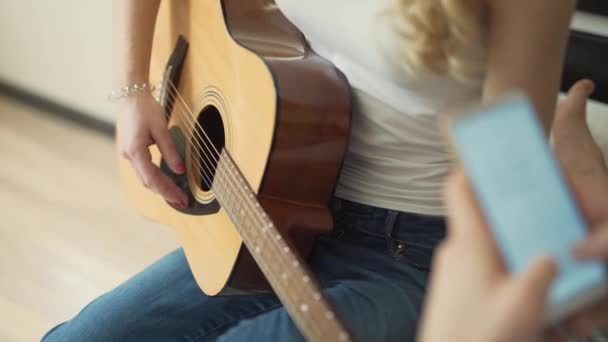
[140,120]
[584,163]
[141,123]
[472,297]
[470,284]
[593,320]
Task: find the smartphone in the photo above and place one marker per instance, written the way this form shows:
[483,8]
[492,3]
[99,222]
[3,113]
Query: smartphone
[525,198]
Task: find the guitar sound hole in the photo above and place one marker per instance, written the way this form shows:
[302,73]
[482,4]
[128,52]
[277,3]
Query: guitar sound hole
[210,140]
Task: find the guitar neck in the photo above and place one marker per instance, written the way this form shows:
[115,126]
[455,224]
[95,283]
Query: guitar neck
[285,271]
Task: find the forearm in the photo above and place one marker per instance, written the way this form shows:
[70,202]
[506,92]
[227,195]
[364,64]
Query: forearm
[132,33]
[527,44]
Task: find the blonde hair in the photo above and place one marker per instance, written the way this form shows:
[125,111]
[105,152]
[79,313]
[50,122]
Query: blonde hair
[440,36]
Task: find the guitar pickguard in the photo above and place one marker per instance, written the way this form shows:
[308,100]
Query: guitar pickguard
[194,207]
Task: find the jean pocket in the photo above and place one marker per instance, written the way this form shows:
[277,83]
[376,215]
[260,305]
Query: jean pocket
[418,254]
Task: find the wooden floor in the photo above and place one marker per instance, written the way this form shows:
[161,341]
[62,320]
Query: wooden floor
[67,233]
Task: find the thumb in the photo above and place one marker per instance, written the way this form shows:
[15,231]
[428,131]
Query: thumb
[575,101]
[524,299]
[594,246]
[534,283]
[167,149]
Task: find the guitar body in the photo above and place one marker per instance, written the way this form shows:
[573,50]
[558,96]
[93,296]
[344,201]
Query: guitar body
[250,80]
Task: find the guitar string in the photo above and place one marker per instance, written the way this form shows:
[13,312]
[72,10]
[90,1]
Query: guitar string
[188,111]
[204,158]
[315,292]
[215,159]
[233,180]
[309,320]
[183,105]
[202,170]
[209,183]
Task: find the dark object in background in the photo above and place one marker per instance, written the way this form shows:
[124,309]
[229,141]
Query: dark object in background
[587,54]
[593,6]
[586,58]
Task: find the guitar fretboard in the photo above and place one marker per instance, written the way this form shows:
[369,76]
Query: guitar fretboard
[284,269]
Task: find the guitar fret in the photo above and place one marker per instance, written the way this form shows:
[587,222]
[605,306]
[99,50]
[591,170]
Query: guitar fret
[217,183]
[301,296]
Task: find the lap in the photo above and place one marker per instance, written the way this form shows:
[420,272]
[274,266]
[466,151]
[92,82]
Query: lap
[377,299]
[377,290]
[161,303]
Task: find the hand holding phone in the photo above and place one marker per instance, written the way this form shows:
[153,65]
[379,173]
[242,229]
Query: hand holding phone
[471,296]
[525,198]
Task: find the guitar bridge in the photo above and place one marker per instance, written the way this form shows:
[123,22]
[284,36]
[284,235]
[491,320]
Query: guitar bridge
[171,76]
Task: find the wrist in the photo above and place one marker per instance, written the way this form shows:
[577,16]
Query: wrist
[131,90]
[136,103]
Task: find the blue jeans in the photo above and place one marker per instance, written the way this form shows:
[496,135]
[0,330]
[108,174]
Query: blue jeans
[373,268]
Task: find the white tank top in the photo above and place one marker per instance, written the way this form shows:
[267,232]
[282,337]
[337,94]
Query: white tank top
[397,158]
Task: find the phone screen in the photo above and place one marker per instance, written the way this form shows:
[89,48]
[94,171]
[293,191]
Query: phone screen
[523,193]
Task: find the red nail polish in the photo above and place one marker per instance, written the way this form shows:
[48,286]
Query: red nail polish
[181,168]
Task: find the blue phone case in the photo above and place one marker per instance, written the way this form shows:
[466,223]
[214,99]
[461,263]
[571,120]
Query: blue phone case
[523,193]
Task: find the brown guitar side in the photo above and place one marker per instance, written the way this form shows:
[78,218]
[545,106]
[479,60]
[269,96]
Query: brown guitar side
[286,114]
[313,121]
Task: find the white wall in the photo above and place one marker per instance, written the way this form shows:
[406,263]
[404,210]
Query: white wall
[590,23]
[60,49]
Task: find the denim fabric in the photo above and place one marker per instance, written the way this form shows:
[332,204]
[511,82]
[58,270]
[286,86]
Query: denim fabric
[373,268]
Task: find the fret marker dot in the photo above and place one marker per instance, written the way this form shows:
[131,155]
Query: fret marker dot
[285,249]
[317,296]
[258,250]
[295,263]
[278,237]
[284,276]
[329,315]
[303,307]
[306,279]
[343,336]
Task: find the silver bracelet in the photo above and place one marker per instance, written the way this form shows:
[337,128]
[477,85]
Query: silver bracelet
[130,90]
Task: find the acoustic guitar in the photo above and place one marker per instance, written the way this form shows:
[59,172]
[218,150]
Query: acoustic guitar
[261,122]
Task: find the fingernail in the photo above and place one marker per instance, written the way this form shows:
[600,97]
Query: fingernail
[589,86]
[181,168]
